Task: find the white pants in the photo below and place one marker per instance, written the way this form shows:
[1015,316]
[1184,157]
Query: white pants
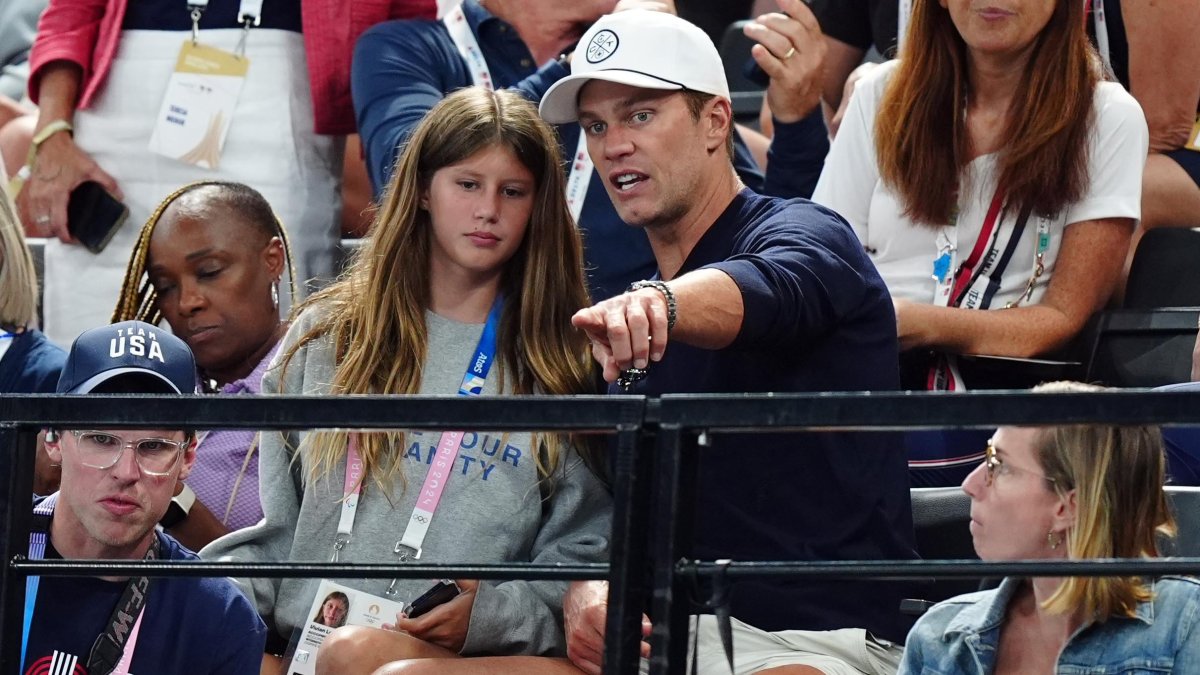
[270,147]
[849,651]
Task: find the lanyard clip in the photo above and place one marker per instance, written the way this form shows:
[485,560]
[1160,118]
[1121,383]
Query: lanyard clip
[197,12]
[246,22]
[338,544]
[406,552]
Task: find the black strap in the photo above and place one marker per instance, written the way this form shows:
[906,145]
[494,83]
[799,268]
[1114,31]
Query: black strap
[719,603]
[996,274]
[109,646]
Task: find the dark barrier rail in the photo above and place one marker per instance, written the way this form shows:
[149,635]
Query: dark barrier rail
[652,478]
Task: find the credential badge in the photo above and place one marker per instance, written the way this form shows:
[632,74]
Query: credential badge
[602,46]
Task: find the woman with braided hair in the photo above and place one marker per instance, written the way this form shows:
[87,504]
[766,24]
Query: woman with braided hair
[209,261]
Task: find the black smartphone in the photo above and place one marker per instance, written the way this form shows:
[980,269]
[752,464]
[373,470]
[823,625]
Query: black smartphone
[442,592]
[94,216]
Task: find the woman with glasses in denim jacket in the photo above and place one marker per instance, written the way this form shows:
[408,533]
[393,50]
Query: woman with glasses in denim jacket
[1066,492]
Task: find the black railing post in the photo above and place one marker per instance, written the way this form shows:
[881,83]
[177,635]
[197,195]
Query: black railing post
[17,453]
[629,569]
[673,505]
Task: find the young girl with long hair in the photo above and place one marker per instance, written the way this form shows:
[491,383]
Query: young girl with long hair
[473,254]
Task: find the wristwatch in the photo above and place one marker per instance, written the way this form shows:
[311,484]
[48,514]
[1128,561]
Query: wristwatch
[181,505]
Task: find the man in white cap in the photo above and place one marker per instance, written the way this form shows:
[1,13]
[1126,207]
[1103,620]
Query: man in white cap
[116,485]
[753,294]
[402,68]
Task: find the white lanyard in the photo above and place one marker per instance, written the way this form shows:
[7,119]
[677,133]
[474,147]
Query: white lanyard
[902,18]
[1101,32]
[468,47]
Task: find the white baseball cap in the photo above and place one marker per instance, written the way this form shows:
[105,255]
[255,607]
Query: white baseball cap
[640,48]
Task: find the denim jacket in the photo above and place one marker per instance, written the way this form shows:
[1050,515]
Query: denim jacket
[961,635]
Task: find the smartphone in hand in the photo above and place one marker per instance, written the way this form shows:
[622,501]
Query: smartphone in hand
[442,592]
[94,216]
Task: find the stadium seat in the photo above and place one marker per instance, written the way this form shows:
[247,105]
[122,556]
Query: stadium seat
[1164,272]
[747,96]
[1142,347]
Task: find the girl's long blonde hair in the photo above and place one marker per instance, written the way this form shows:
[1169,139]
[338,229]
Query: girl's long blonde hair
[375,314]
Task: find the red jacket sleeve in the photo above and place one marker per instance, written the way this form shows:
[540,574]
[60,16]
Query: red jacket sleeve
[84,32]
[331,28]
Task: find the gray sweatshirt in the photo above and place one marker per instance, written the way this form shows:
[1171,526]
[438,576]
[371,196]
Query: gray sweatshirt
[492,510]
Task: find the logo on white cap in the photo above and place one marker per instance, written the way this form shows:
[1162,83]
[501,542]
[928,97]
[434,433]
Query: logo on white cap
[603,45]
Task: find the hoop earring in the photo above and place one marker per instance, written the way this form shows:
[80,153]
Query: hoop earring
[275,294]
[1054,539]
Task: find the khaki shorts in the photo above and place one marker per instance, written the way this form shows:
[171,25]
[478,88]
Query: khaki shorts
[849,651]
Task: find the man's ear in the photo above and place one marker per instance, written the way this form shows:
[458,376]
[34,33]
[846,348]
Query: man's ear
[719,114]
[189,458]
[52,443]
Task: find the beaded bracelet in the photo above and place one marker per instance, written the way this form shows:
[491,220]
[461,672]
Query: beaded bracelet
[661,287]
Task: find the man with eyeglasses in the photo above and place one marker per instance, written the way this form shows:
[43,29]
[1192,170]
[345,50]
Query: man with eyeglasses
[116,486]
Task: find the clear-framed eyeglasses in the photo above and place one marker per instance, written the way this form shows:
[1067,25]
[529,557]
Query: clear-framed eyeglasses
[102,450]
[996,467]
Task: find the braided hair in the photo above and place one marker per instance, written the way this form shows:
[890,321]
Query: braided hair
[139,299]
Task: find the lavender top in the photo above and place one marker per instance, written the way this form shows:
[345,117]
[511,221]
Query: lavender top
[219,461]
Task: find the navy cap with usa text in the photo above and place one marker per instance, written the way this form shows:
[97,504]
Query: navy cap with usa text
[128,348]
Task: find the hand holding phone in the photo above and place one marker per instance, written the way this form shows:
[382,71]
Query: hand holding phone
[94,215]
[442,592]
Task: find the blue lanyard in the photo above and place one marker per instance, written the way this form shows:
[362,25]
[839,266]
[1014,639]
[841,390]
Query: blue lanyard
[485,353]
[37,551]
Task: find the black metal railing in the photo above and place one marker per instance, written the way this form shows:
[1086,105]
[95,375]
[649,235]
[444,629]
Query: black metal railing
[650,569]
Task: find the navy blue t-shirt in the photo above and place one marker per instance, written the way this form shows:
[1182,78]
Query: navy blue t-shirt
[817,318]
[403,68]
[198,626]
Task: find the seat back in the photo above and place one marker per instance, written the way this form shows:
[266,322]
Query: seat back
[1164,272]
[1185,504]
[746,96]
[941,519]
[1142,348]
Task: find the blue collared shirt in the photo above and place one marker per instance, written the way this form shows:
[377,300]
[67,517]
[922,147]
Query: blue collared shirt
[962,635]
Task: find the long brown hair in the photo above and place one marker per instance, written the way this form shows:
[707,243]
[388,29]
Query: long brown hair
[1117,473]
[921,134]
[375,314]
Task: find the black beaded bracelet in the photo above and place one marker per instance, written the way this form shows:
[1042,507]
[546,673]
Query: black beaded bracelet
[661,287]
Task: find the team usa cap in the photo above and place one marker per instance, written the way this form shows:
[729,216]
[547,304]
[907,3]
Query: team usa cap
[640,48]
[129,347]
